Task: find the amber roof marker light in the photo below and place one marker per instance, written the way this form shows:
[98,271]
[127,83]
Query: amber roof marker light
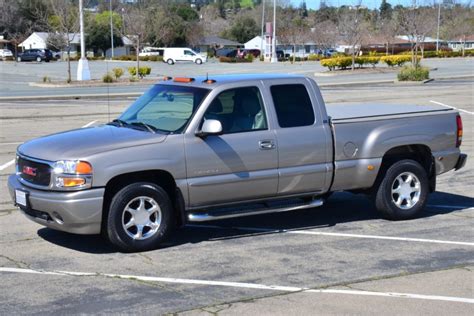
[183,80]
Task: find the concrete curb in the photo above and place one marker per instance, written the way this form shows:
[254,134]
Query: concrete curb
[136,94]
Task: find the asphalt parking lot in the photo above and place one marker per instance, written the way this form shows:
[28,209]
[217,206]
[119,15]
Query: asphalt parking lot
[341,258]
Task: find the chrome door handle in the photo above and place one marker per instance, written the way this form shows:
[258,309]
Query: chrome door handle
[266,144]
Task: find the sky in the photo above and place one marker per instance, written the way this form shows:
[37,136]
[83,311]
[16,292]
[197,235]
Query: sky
[314,4]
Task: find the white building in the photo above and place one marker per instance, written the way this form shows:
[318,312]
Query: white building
[302,50]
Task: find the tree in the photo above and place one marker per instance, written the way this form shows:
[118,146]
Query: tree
[351,29]
[324,34]
[385,10]
[303,9]
[417,23]
[293,30]
[61,24]
[98,31]
[459,24]
[243,29]
[387,30]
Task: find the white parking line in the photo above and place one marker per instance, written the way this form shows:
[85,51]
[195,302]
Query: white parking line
[310,232]
[7,164]
[8,144]
[451,107]
[453,206]
[89,124]
[244,285]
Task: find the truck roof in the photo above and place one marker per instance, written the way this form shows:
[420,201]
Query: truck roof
[199,81]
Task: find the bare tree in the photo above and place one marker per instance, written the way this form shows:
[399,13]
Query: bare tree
[387,30]
[459,24]
[63,27]
[324,34]
[351,29]
[417,23]
[211,21]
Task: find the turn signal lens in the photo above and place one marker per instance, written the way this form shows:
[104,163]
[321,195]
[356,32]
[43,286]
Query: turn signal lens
[458,130]
[69,182]
[83,167]
[185,80]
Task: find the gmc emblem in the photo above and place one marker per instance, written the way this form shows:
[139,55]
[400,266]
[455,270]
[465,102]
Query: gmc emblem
[29,171]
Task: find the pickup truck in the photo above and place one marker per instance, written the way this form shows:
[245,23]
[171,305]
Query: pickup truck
[203,149]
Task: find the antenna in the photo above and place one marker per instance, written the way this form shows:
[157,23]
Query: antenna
[207,76]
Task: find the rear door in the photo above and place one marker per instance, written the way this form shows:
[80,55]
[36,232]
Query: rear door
[304,139]
[241,164]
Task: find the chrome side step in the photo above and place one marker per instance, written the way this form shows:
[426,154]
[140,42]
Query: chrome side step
[212,216]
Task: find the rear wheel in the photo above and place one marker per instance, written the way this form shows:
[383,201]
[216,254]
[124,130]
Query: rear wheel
[170,61]
[38,59]
[403,191]
[139,218]
[18,59]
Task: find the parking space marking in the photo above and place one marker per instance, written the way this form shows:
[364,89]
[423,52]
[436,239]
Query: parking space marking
[8,144]
[451,107]
[7,164]
[89,124]
[255,286]
[307,232]
[453,206]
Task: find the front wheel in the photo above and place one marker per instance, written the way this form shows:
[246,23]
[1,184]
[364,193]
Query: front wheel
[38,59]
[198,61]
[139,218]
[403,191]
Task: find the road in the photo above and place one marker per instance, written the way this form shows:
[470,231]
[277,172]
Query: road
[15,77]
[341,258]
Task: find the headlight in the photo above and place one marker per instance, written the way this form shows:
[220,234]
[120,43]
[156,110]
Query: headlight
[72,174]
[72,167]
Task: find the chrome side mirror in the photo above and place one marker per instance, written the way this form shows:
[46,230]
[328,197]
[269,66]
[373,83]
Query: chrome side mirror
[210,127]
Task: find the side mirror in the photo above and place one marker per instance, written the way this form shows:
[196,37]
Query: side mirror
[210,127]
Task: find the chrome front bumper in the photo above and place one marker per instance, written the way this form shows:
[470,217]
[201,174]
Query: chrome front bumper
[74,212]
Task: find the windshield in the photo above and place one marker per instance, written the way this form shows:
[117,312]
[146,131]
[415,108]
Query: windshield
[165,108]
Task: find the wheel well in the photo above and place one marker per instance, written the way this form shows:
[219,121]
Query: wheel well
[420,153]
[159,177]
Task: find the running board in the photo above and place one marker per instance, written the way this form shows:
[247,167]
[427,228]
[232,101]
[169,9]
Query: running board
[212,216]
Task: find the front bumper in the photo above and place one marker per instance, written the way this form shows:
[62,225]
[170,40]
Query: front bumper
[79,212]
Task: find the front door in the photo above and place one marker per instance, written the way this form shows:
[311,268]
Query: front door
[241,164]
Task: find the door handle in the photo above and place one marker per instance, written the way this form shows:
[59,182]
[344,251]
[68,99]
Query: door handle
[266,144]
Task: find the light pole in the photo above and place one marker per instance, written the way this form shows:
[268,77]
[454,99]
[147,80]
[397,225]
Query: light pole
[274,58]
[111,31]
[437,32]
[263,21]
[83,72]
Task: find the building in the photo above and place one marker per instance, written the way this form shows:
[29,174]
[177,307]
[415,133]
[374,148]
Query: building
[39,40]
[301,50]
[457,44]
[214,42]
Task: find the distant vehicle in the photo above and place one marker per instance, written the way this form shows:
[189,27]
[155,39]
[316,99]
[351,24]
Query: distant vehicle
[35,55]
[5,54]
[226,52]
[329,52]
[172,55]
[151,51]
[281,54]
[254,52]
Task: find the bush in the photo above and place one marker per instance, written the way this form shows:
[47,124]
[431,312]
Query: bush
[46,79]
[337,62]
[142,71]
[249,57]
[314,57]
[410,73]
[118,72]
[398,60]
[108,78]
[233,60]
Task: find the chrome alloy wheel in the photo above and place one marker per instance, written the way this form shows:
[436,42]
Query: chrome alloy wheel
[406,190]
[141,218]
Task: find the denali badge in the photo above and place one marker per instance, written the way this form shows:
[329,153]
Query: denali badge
[29,171]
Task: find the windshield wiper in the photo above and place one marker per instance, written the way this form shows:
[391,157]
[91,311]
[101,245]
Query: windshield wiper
[118,122]
[149,127]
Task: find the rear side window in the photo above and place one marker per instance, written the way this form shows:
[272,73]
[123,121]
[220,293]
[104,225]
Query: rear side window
[292,105]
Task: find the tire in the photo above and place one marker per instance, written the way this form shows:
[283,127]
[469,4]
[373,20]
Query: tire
[198,61]
[157,210]
[38,59]
[18,59]
[170,61]
[403,191]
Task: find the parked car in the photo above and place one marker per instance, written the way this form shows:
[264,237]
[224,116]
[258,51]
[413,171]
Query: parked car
[6,54]
[210,148]
[226,52]
[172,55]
[35,55]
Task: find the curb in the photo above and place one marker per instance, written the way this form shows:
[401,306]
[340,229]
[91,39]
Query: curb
[137,94]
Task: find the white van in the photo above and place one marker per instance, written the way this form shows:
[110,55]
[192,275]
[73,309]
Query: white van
[151,51]
[175,54]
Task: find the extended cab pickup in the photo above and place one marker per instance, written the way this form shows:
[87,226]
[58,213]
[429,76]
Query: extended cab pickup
[200,149]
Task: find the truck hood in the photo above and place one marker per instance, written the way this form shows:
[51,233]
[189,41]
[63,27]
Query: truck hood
[84,142]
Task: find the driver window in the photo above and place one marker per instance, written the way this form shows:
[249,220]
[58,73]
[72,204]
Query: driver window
[188,52]
[238,110]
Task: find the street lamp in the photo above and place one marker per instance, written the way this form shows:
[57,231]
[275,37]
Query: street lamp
[439,18]
[83,72]
[111,31]
[274,58]
[263,22]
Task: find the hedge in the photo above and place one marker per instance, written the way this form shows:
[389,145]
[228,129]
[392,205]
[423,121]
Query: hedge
[141,58]
[234,60]
[345,62]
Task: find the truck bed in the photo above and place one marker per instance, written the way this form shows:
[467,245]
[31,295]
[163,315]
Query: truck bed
[351,111]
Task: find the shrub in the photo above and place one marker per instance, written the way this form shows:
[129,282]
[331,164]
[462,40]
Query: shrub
[249,57]
[108,78]
[142,71]
[360,61]
[118,72]
[314,57]
[372,60]
[233,60]
[399,60]
[337,62]
[410,73]
[46,79]
[262,58]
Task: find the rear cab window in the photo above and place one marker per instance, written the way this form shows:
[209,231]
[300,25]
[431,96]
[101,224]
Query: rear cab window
[293,105]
